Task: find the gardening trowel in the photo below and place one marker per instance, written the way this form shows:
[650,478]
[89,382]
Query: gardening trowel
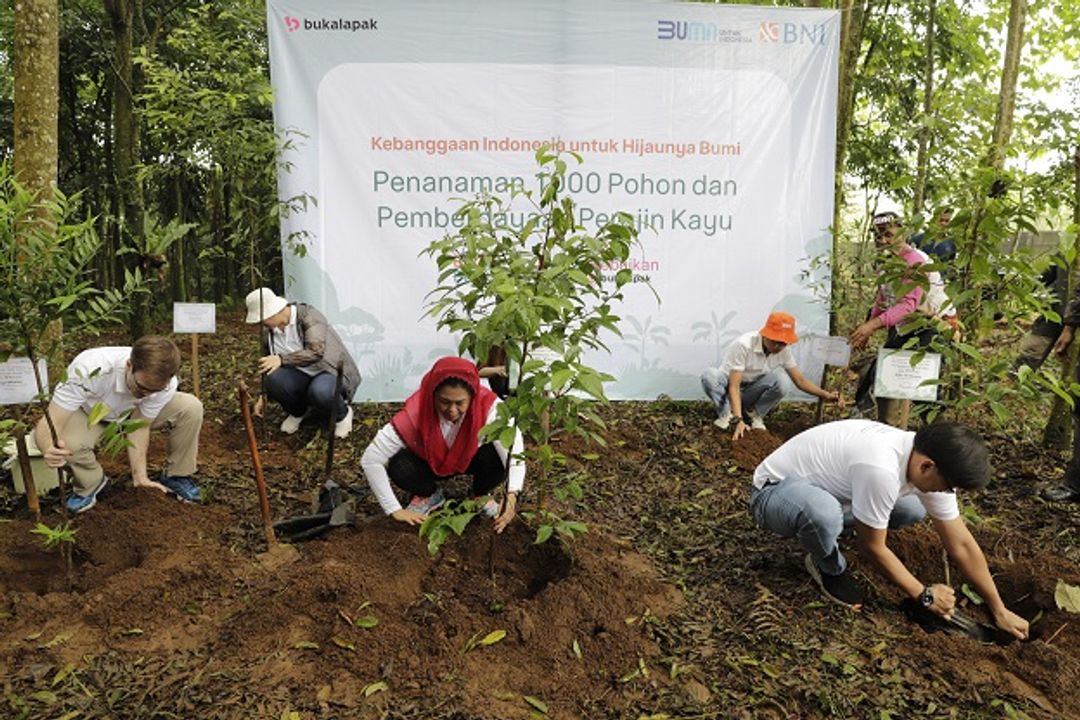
[958,624]
[305,527]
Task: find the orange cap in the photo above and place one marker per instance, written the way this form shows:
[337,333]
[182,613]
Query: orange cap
[780,327]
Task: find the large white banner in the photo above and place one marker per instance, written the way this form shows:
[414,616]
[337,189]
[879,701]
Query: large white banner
[712,125]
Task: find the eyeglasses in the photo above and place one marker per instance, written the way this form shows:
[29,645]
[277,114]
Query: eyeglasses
[139,388]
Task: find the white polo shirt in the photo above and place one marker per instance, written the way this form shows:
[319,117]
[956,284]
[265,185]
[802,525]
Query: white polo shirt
[97,375]
[747,355]
[861,463]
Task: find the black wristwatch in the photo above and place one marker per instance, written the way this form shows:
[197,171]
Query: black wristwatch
[926,597]
[739,419]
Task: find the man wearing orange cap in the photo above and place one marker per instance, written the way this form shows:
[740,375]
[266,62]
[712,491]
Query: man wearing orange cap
[758,372]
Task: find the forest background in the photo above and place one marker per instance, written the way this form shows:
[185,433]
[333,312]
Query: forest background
[153,118]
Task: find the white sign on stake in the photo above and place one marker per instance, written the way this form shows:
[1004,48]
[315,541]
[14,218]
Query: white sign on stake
[194,318]
[17,384]
[898,378]
[833,351]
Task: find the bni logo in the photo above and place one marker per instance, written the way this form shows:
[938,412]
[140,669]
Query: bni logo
[291,24]
[769,31]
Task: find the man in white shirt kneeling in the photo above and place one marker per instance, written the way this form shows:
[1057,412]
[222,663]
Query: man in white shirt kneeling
[759,371]
[876,478]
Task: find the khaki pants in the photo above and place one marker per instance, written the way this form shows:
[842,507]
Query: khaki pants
[183,415]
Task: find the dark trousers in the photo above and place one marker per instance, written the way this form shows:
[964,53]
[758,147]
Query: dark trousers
[1072,470]
[298,393]
[411,473]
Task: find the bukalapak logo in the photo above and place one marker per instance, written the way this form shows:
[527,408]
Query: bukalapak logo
[293,24]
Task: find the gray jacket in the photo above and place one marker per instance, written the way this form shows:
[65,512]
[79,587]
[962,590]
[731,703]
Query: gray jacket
[323,348]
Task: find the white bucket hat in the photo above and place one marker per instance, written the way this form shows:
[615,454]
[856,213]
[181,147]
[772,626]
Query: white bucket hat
[271,305]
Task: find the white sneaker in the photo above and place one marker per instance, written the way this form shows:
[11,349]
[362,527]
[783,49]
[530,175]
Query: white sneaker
[291,424]
[756,421]
[344,426]
[724,421]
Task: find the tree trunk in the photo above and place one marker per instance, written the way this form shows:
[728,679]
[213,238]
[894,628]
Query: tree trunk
[1058,431]
[852,23]
[36,124]
[922,161]
[126,148]
[1010,74]
[37,78]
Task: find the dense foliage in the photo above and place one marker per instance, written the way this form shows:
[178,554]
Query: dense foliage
[184,189]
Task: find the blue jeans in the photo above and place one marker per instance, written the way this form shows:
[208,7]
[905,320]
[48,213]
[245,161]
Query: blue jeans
[795,508]
[298,393]
[760,395]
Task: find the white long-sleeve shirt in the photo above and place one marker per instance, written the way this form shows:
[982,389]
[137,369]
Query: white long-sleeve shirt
[387,443]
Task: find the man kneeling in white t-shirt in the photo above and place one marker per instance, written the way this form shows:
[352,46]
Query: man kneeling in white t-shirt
[875,478]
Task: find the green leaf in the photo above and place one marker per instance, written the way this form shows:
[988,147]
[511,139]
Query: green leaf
[60,639]
[98,413]
[372,688]
[343,643]
[458,523]
[971,595]
[536,703]
[493,637]
[305,645]
[543,534]
[1067,597]
[62,674]
[366,621]
[590,384]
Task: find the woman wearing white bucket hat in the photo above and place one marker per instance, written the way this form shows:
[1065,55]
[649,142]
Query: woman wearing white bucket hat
[301,354]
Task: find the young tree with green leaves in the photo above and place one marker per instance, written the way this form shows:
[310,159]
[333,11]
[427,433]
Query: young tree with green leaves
[546,293]
[47,277]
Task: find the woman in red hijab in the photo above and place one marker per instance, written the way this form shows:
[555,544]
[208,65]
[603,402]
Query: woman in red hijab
[436,436]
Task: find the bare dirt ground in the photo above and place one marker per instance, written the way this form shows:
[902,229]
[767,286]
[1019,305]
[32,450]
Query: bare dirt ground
[673,605]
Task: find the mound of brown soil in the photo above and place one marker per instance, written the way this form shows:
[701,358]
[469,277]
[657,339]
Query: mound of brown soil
[364,617]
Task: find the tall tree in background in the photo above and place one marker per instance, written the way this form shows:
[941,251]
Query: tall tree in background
[125,143]
[36,81]
[852,21]
[37,71]
[922,160]
[1010,74]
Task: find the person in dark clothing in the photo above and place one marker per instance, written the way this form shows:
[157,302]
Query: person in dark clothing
[301,354]
[1039,340]
[1069,488]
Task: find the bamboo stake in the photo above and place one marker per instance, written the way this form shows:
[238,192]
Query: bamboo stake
[195,363]
[29,486]
[260,482]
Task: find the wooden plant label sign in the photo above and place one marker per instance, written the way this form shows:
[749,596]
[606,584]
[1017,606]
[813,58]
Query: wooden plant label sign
[17,385]
[833,351]
[194,318]
[898,378]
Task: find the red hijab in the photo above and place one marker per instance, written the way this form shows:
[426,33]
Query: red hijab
[418,423]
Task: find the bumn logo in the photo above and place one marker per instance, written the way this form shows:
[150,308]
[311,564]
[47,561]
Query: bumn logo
[291,24]
[769,31]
